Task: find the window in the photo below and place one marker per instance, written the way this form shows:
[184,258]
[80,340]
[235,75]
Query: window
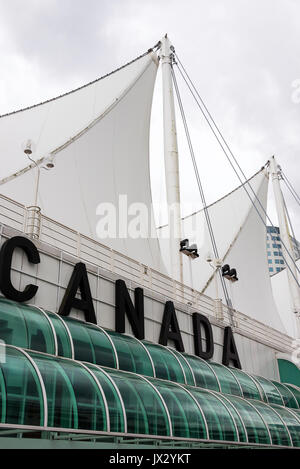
[281,261]
[270,261]
[268,245]
[269,253]
[271,269]
[278,269]
[276,253]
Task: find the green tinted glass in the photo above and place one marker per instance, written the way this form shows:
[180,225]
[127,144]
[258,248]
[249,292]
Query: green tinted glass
[204,376]
[256,428]
[116,416]
[228,382]
[249,387]
[131,354]
[63,340]
[186,418]
[287,396]
[165,363]
[103,349]
[187,370]
[83,347]
[238,421]
[73,397]
[23,393]
[25,326]
[144,409]
[295,391]
[220,423]
[271,392]
[278,431]
[291,422]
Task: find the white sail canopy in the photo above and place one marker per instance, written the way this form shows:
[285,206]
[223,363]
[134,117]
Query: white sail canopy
[99,135]
[241,241]
[283,300]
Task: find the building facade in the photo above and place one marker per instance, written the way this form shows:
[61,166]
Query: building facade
[274,250]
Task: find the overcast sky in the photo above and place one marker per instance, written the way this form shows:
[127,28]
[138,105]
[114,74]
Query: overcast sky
[243,55]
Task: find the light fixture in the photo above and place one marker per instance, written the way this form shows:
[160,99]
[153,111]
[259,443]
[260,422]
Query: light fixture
[28,147]
[189,250]
[48,162]
[229,273]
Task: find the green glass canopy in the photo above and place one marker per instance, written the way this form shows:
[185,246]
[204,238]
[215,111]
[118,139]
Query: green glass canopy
[65,374]
[40,391]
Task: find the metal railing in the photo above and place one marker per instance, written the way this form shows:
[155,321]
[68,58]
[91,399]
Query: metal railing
[16,215]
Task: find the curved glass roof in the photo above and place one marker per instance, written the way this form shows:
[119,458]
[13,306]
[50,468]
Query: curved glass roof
[32,328]
[40,391]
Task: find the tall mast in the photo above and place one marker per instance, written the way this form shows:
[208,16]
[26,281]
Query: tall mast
[285,237]
[171,160]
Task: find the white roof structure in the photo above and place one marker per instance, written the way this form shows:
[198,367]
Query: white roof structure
[240,238]
[99,135]
[283,300]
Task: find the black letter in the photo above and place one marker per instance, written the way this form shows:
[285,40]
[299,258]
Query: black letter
[198,320]
[79,280]
[6,255]
[170,329]
[135,313]
[229,349]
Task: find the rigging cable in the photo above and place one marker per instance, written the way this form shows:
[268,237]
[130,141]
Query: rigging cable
[218,135]
[207,217]
[290,188]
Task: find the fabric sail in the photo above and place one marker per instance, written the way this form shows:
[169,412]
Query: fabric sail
[241,240]
[282,296]
[99,135]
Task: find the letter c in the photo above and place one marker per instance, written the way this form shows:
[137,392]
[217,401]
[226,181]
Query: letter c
[6,255]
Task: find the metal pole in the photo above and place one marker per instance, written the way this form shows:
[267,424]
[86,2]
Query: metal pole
[285,236]
[171,160]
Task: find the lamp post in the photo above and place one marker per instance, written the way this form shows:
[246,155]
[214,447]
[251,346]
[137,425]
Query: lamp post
[33,212]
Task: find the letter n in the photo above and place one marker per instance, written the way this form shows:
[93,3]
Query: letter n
[170,328]
[230,352]
[79,281]
[198,321]
[135,313]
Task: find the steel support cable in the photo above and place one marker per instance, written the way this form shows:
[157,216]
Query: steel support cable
[291,226]
[216,132]
[290,188]
[200,187]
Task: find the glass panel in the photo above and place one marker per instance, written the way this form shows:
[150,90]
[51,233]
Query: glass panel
[273,396]
[132,355]
[295,392]
[220,423]
[24,398]
[187,370]
[13,329]
[287,396]
[26,327]
[103,349]
[166,365]
[229,384]
[255,426]
[74,399]
[144,409]
[237,418]
[83,347]
[63,340]
[204,376]
[116,416]
[291,422]
[2,397]
[277,429]
[249,387]
[186,418]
